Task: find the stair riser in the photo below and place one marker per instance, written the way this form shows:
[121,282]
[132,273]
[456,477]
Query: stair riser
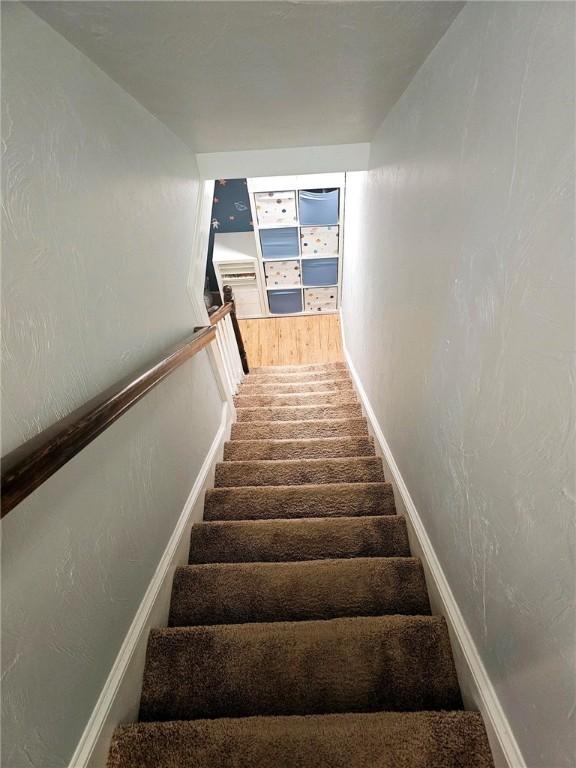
[294,430]
[268,592]
[270,503]
[298,540]
[277,450]
[306,398]
[294,378]
[343,385]
[366,469]
[284,668]
[300,413]
[311,368]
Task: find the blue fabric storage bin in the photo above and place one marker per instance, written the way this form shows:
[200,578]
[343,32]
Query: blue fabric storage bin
[320,271]
[285,302]
[279,243]
[318,207]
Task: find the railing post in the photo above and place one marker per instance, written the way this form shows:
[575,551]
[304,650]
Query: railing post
[229,297]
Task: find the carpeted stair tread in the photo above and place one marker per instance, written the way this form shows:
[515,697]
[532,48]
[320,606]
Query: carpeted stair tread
[299,368]
[300,412]
[327,397]
[299,667]
[355,469]
[300,632]
[289,430]
[363,740]
[292,501]
[290,378]
[315,448]
[248,388]
[311,538]
[232,593]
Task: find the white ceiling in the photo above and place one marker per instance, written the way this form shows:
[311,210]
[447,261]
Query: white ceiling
[257,75]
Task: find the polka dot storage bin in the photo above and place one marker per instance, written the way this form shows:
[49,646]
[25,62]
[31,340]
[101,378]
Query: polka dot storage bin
[275,207]
[282,273]
[319,240]
[320,299]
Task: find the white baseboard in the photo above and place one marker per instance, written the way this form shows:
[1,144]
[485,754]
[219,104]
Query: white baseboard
[120,696]
[477,690]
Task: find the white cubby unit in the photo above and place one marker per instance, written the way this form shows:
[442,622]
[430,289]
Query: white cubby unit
[299,238]
[236,263]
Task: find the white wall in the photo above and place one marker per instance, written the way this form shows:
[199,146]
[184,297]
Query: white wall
[100,202]
[283,161]
[458,311]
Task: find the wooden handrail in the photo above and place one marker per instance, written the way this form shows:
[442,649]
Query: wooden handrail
[219,313]
[31,464]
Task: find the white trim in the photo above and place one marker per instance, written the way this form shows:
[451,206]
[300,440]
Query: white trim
[477,689]
[234,351]
[119,700]
[223,351]
[259,255]
[195,285]
[341,235]
[217,363]
[199,255]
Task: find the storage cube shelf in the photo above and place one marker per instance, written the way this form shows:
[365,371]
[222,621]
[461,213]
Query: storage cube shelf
[298,232]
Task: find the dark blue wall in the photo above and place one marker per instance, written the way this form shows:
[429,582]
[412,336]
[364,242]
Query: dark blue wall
[230,213]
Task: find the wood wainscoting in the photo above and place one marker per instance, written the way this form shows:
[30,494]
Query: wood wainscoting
[292,340]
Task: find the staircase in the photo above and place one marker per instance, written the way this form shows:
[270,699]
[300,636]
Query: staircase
[300,634]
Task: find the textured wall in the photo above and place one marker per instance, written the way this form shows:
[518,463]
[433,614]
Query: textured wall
[99,201]
[459,314]
[252,75]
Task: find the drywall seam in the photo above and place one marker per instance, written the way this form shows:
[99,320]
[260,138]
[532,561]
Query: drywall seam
[119,700]
[472,674]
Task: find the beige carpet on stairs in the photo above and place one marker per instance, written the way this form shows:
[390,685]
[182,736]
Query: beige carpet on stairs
[293,501]
[300,633]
